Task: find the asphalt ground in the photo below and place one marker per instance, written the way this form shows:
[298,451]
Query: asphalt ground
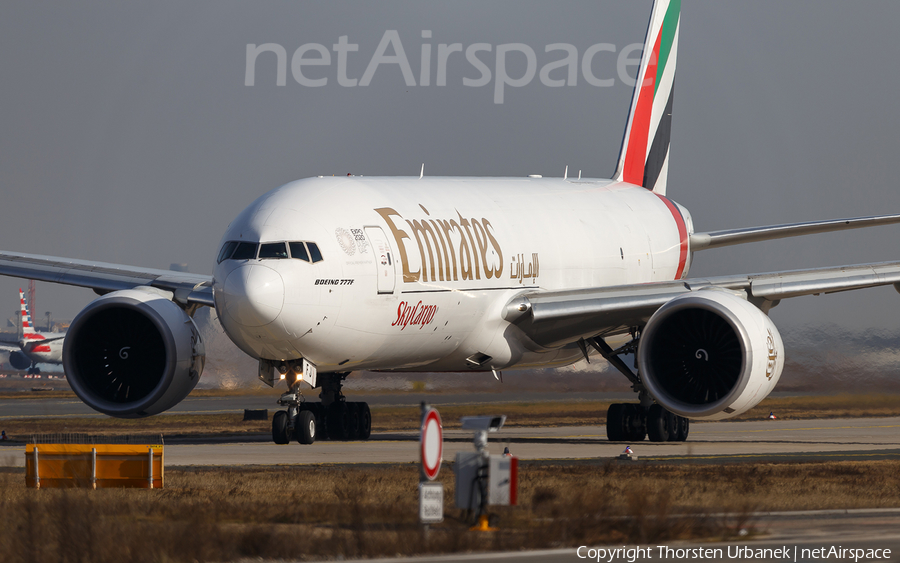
[713,442]
[70,407]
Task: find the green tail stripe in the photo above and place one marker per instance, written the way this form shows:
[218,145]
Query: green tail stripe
[670,25]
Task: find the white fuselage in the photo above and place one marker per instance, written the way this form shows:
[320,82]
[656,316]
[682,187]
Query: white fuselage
[415,272]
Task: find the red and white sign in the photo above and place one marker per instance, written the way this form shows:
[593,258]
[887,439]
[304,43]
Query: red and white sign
[432,444]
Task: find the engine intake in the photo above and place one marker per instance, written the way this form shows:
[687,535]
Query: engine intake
[710,355]
[133,353]
[19,360]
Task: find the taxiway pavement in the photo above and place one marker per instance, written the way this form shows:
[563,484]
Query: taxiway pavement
[835,438]
[862,438]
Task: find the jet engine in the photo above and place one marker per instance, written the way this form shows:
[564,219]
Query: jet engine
[710,355]
[133,353]
[19,360]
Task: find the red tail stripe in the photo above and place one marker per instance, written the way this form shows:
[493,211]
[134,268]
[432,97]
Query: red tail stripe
[636,154]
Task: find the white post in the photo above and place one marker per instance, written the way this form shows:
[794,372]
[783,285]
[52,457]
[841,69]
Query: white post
[151,468]
[93,468]
[37,474]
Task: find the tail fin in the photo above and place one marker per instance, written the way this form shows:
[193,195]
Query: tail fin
[27,327]
[644,157]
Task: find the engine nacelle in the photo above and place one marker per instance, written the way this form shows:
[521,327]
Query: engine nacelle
[710,355]
[19,360]
[133,353]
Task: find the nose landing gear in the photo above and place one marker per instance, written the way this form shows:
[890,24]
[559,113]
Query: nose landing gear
[334,417]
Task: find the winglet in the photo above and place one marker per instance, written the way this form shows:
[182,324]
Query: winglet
[644,156]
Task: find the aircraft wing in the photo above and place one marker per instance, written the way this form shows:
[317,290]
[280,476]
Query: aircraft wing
[9,347]
[717,239]
[551,318]
[103,277]
[29,344]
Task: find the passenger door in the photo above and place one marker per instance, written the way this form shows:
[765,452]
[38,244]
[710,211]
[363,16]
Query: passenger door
[384,259]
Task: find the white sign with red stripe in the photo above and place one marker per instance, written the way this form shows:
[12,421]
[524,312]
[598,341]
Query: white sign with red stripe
[432,444]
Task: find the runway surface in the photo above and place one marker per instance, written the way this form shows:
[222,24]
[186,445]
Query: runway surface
[73,407]
[839,439]
[714,442]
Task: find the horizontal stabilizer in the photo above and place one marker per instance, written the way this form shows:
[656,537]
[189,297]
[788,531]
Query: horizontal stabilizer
[715,239]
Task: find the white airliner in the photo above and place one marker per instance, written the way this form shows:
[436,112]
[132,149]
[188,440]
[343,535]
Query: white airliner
[34,347]
[331,274]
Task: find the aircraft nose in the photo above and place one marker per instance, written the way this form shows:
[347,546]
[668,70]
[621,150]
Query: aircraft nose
[253,295]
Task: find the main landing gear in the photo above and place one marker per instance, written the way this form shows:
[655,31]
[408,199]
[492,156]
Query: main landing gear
[334,417]
[629,422]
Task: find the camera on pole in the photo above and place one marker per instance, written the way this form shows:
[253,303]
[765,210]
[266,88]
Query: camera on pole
[482,479]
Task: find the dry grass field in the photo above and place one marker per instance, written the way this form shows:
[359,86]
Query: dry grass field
[327,512]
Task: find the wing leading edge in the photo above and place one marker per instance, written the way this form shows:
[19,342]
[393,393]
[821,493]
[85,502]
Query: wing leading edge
[103,277]
[554,318]
[716,239]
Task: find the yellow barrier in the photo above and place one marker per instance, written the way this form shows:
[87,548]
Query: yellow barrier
[94,465]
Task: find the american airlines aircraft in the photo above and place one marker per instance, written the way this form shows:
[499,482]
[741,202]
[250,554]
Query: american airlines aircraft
[327,275]
[34,347]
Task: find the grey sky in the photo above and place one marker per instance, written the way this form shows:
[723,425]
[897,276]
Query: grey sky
[128,134]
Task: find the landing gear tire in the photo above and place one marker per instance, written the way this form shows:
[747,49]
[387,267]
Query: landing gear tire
[615,423]
[665,426]
[305,427]
[658,424]
[680,429]
[635,423]
[280,423]
[626,422]
[685,429]
[353,422]
[365,421]
[338,421]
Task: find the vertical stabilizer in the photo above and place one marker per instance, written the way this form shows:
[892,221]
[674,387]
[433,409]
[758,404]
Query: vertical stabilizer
[644,157]
[27,326]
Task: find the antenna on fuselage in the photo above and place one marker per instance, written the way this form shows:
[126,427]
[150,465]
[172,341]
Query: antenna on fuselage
[422,171]
[566,173]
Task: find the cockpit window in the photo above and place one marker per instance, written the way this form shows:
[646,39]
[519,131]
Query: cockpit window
[227,249]
[273,250]
[306,251]
[298,251]
[314,252]
[245,251]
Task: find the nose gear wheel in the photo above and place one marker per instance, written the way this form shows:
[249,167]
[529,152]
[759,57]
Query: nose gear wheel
[333,418]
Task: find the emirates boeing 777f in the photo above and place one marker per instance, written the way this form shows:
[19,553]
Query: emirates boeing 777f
[327,275]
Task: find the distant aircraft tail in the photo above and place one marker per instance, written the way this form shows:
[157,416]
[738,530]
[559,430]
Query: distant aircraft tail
[644,157]
[27,326]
